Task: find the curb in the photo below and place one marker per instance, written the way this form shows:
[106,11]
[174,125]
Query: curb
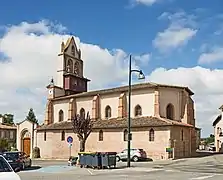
[40,159]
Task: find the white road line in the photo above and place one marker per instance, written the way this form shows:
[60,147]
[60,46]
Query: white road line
[89,171]
[203,177]
[171,170]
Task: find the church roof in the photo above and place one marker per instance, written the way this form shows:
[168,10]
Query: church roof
[4,126]
[125,88]
[69,41]
[147,121]
[216,121]
[26,120]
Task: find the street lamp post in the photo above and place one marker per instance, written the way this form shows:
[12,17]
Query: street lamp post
[141,76]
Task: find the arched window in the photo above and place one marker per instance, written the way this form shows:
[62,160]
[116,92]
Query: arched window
[125,134]
[138,110]
[218,130]
[63,136]
[70,66]
[182,135]
[82,112]
[100,138]
[108,112]
[151,135]
[170,111]
[44,135]
[61,115]
[76,68]
[73,50]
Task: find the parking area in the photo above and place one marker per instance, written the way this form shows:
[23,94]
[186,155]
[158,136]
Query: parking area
[210,168]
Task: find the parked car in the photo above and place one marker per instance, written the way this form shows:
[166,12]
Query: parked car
[18,159]
[135,154]
[6,171]
[211,148]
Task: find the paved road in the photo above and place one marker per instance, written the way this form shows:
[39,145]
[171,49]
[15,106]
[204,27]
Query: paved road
[208,168]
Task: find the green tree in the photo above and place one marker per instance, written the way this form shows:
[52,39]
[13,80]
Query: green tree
[31,116]
[4,144]
[8,118]
[82,126]
[210,139]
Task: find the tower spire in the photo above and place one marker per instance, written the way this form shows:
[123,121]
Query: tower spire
[52,81]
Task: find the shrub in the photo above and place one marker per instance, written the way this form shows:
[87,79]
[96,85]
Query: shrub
[36,152]
[4,145]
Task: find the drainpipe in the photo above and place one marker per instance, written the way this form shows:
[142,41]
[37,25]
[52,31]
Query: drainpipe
[32,140]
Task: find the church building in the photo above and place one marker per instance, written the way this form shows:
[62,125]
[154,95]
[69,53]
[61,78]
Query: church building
[162,115]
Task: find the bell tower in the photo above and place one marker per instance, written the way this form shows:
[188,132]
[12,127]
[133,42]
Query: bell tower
[70,70]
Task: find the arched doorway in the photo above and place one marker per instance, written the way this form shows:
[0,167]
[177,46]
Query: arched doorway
[26,141]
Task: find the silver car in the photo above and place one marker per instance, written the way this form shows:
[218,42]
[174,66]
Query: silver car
[135,154]
[6,171]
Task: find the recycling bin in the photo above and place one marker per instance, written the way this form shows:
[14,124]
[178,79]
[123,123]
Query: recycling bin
[85,159]
[88,159]
[82,159]
[108,159]
[96,160]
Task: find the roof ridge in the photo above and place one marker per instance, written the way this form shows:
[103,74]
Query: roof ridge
[122,89]
[165,120]
[175,122]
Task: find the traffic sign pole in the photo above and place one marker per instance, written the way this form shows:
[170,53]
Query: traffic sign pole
[69,141]
[70,149]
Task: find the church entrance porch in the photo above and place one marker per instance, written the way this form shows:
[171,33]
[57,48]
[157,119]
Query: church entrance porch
[26,142]
[26,145]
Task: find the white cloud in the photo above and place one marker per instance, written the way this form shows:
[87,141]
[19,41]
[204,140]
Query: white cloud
[145,2]
[179,32]
[179,19]
[32,60]
[148,3]
[215,55]
[143,59]
[173,37]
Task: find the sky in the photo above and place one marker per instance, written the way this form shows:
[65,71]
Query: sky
[176,42]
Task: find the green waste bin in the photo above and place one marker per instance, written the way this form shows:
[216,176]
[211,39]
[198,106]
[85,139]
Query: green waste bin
[89,159]
[82,159]
[108,159]
[85,159]
[96,160]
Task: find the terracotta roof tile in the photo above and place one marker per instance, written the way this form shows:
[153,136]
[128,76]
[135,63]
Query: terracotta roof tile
[124,89]
[147,121]
[4,126]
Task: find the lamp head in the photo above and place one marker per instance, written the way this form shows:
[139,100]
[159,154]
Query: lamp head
[141,75]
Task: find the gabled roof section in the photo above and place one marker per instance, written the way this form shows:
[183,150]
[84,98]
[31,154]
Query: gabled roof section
[69,42]
[216,121]
[26,120]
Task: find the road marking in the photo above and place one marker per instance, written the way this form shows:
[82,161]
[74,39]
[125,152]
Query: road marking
[203,177]
[53,169]
[171,170]
[89,171]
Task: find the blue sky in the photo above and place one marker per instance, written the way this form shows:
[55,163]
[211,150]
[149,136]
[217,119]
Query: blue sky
[181,41]
[119,24]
